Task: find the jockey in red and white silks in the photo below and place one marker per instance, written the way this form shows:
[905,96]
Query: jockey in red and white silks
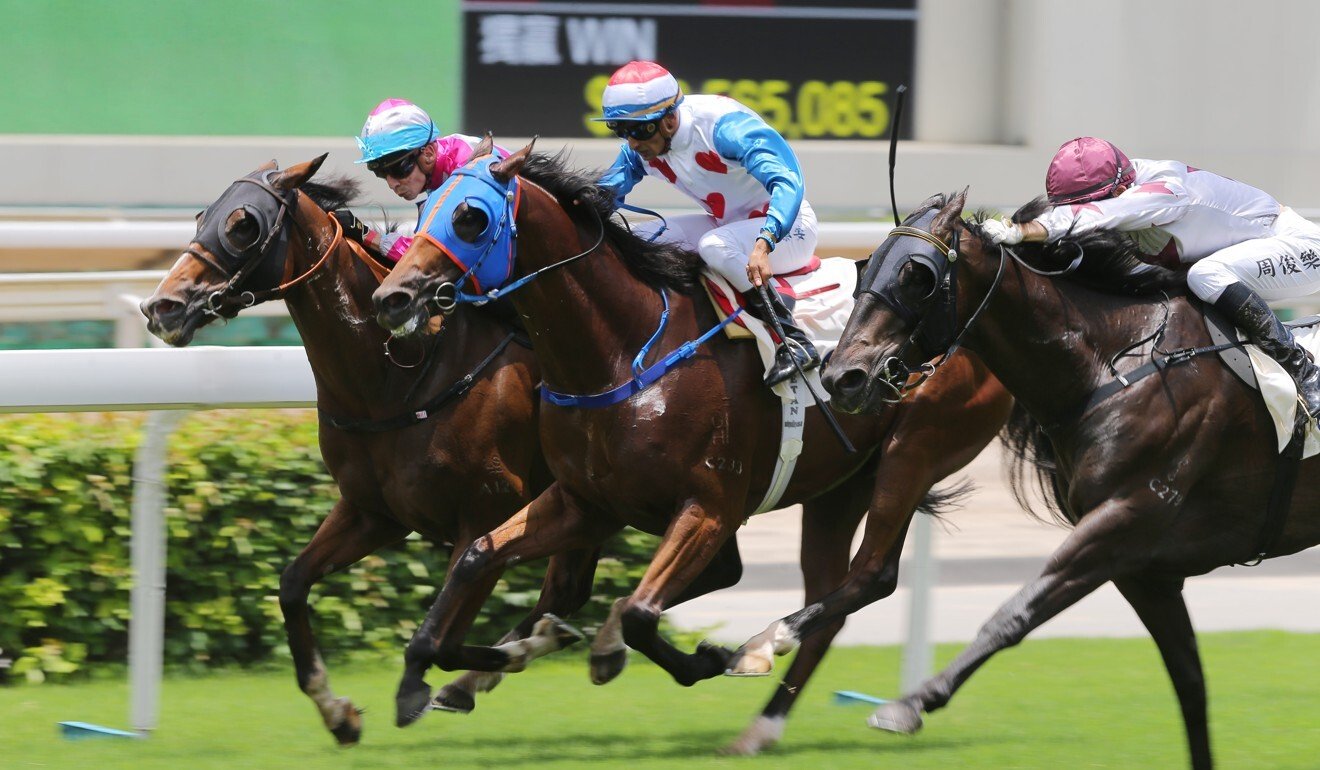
[1242,245]
[399,144]
[728,160]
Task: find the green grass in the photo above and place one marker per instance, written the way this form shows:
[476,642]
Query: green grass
[1047,704]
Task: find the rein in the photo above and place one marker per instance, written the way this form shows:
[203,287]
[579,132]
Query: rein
[429,409]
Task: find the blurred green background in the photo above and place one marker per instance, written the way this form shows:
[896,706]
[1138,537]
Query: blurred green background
[189,67]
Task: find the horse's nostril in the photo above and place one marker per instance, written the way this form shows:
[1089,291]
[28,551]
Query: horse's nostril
[397,300]
[850,381]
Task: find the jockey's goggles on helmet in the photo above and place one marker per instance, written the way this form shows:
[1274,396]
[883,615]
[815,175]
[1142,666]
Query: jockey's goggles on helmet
[397,167]
[635,129]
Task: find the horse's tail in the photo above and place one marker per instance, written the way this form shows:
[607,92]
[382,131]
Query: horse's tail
[939,502]
[1032,466]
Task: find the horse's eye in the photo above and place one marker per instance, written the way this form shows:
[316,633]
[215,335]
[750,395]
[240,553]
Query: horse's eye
[469,222]
[241,230]
[916,282]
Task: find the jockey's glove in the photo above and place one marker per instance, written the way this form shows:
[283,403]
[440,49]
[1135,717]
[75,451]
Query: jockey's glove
[999,231]
[353,227]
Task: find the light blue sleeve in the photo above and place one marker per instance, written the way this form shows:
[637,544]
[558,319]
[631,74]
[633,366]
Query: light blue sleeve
[760,149]
[626,172]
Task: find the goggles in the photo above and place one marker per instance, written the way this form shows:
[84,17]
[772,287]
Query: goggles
[398,168]
[639,130]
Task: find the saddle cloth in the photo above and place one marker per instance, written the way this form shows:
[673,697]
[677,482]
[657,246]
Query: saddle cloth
[1277,388]
[822,300]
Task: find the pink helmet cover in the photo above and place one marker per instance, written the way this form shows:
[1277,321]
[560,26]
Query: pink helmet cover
[1086,169]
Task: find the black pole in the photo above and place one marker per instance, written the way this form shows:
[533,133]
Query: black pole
[820,401]
[893,148]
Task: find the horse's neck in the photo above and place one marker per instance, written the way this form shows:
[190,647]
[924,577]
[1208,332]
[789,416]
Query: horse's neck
[589,320]
[1048,340]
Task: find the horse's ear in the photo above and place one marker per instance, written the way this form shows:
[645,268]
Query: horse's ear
[949,215]
[269,165]
[293,176]
[509,167]
[485,146]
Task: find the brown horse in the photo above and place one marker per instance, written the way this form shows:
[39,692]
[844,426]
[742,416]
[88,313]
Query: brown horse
[447,448]
[688,458]
[1163,479]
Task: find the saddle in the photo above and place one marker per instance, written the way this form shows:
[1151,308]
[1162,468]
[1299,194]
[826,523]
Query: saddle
[820,295]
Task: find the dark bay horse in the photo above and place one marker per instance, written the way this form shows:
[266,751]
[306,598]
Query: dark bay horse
[1164,479]
[688,458]
[451,473]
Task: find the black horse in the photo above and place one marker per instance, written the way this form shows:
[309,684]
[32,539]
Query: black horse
[1162,480]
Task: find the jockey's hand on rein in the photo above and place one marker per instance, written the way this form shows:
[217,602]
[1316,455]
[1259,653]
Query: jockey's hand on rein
[999,231]
[353,227]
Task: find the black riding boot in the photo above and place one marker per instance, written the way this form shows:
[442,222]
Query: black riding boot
[795,345]
[1264,329]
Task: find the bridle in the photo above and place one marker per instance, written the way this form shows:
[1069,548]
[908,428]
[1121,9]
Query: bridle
[895,374]
[212,239]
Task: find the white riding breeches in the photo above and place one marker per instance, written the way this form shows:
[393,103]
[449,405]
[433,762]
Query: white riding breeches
[726,248]
[1285,265]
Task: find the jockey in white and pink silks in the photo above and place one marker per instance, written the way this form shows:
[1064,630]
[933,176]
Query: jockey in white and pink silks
[724,157]
[1242,245]
[399,144]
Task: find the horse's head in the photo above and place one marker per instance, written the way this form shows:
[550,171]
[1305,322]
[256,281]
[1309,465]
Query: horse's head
[239,252]
[906,312]
[465,246]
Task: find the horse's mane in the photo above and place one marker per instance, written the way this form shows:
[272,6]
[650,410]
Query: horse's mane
[1111,263]
[657,264]
[332,193]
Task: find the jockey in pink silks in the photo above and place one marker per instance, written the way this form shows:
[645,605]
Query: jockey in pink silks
[1243,247]
[741,171]
[399,144]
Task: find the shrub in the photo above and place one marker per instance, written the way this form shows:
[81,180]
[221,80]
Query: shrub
[246,492]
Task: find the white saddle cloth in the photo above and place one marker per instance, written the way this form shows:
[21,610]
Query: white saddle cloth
[824,302]
[1280,392]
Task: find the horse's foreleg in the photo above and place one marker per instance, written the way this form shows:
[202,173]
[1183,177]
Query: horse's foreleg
[694,537]
[828,523]
[609,654]
[343,538]
[551,523]
[1160,605]
[1090,557]
[567,587]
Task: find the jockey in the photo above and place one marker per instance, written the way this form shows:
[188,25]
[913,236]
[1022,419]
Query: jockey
[399,144]
[1243,246]
[740,170]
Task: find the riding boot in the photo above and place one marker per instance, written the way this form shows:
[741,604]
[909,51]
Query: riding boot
[1264,329]
[795,344]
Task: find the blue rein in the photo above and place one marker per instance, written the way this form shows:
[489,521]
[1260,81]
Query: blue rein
[642,378]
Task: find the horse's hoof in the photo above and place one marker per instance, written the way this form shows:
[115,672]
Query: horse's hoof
[762,733]
[604,668]
[454,700]
[411,702]
[715,654]
[896,717]
[746,664]
[349,731]
[564,634]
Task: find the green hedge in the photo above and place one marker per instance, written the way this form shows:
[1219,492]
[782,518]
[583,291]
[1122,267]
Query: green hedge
[246,491]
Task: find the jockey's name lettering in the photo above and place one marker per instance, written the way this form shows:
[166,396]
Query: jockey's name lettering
[725,465]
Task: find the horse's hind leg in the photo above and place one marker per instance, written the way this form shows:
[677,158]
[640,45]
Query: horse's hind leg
[1159,603]
[1091,556]
[828,524]
[345,536]
[566,588]
[609,654]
